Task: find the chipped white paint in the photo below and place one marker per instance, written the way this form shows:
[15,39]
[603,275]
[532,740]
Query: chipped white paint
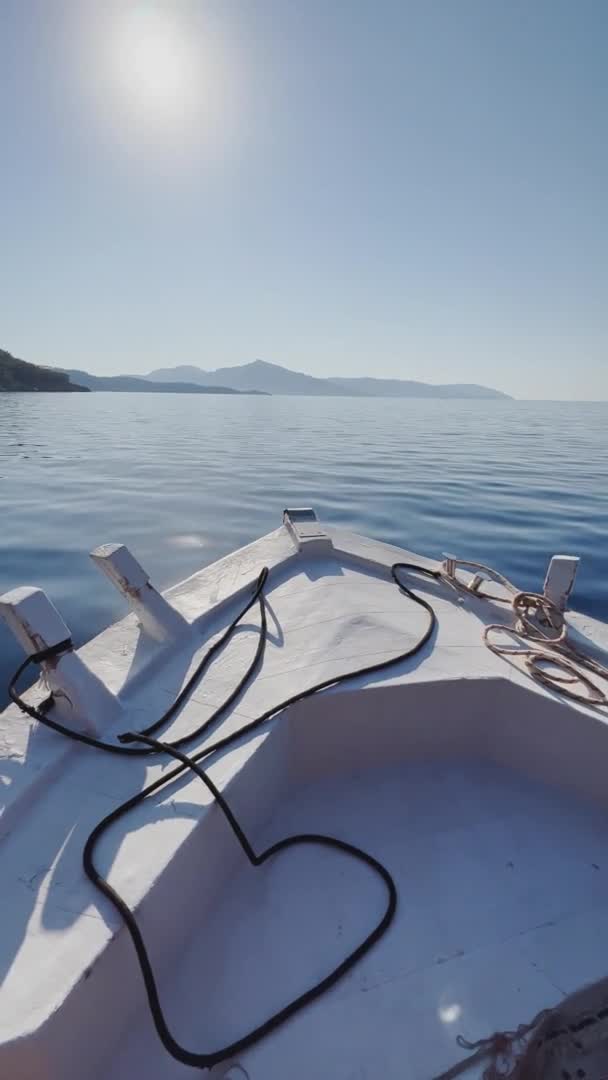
[560,578]
[33,619]
[83,701]
[158,618]
[437,766]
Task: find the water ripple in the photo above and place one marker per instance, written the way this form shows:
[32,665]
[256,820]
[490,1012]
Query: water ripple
[183,480]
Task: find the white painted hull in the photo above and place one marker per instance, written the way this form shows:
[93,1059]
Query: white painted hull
[483,794]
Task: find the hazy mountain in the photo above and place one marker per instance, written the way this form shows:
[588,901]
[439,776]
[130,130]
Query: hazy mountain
[20,375]
[368,387]
[258,375]
[274,379]
[132,384]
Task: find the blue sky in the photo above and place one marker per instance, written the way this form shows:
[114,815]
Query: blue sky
[413,190]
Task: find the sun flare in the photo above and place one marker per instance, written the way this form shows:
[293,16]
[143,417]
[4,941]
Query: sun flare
[154,62]
[163,81]
[160,84]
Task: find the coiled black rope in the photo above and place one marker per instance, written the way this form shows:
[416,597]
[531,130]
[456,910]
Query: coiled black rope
[187,1057]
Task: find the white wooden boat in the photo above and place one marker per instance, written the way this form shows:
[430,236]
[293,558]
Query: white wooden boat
[481,789]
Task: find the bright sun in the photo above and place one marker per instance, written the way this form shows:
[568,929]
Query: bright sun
[162,79]
[154,62]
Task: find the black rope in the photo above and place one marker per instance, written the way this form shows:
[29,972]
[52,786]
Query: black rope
[207,1060]
[114,748]
[187,1057]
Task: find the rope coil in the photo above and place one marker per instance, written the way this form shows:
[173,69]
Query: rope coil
[539,635]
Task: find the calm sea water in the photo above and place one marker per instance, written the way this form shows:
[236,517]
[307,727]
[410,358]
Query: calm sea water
[185,479]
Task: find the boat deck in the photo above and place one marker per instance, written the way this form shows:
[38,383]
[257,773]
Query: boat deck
[483,792]
[503,909]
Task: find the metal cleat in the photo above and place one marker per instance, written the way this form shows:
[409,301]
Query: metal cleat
[449,565]
[303,525]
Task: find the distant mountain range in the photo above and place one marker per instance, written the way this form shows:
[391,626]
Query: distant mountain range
[272,379]
[144,384]
[258,377]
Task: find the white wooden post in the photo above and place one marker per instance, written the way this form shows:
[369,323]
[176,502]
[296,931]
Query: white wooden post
[82,700]
[157,617]
[560,578]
